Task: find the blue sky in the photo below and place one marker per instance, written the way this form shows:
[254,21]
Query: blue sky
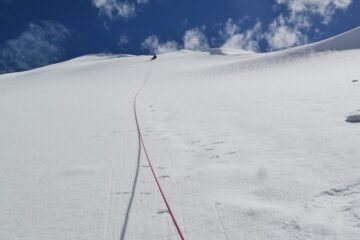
[40,32]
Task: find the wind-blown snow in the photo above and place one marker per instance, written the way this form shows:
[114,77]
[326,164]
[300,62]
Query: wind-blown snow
[247,146]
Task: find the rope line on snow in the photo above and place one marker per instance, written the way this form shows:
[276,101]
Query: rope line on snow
[148,158]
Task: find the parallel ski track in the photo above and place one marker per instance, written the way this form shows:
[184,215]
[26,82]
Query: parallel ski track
[143,146]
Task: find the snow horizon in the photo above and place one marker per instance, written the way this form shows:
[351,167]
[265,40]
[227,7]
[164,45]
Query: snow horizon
[38,34]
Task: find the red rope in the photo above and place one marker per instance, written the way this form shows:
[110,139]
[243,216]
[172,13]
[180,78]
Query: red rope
[150,164]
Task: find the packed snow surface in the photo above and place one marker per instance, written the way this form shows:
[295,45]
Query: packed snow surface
[246,146]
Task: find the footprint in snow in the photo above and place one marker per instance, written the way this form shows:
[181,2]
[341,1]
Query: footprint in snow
[165,176]
[125,193]
[162,211]
[231,153]
[209,149]
[342,202]
[145,193]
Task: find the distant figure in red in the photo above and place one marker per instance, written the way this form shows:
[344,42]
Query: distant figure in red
[154,57]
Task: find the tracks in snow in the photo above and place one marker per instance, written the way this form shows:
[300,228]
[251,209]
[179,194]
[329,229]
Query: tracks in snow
[128,209]
[142,146]
[136,177]
[129,205]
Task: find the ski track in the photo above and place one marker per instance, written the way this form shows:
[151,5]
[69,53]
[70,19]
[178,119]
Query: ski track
[138,163]
[110,191]
[251,146]
[220,222]
[131,200]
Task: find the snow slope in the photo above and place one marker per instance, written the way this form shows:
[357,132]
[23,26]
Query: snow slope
[246,146]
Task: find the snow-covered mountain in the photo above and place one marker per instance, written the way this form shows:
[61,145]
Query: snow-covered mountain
[246,146]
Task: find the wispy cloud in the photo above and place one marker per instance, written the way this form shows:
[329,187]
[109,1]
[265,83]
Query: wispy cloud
[38,45]
[323,8]
[195,39]
[123,40]
[236,38]
[154,45]
[282,35]
[118,8]
[291,29]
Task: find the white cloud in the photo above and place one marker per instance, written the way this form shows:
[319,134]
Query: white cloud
[246,40]
[123,40]
[291,29]
[324,8]
[280,35]
[118,8]
[195,39]
[153,44]
[38,45]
